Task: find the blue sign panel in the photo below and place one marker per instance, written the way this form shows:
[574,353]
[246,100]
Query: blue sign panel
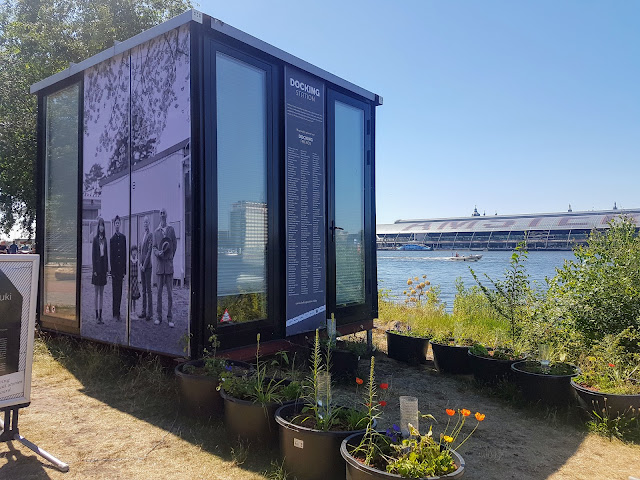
[305,202]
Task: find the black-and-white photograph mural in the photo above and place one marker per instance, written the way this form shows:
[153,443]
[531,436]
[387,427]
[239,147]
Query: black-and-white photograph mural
[160,257]
[137,197]
[105,202]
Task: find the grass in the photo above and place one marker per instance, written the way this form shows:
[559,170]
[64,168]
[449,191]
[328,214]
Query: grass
[113,413]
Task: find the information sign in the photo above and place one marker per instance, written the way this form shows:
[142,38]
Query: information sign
[305,201]
[18,293]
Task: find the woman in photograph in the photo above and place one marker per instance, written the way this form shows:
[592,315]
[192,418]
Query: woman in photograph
[100,262]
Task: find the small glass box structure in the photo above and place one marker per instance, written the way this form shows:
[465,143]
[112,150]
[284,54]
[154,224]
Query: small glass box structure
[193,178]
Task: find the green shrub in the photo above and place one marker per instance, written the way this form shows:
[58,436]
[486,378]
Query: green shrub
[599,292]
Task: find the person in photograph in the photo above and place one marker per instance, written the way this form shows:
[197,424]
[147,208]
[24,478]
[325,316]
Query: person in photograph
[13,248]
[119,256]
[164,248]
[133,278]
[145,271]
[100,265]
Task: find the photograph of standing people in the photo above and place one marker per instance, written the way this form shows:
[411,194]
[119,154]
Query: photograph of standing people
[164,248]
[119,256]
[99,266]
[146,269]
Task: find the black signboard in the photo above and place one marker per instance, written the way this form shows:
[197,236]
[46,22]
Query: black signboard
[305,201]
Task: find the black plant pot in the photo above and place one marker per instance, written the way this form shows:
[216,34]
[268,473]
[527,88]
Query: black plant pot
[358,471]
[310,454]
[344,362]
[249,420]
[451,358]
[199,396]
[408,349]
[538,387]
[616,405]
[488,370]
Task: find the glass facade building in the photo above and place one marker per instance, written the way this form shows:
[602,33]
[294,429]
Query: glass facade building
[196,179]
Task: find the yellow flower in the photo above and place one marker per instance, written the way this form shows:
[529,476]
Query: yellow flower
[427,282]
[448,439]
[409,282]
[416,278]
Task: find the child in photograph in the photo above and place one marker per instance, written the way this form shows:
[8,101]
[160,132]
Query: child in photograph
[133,278]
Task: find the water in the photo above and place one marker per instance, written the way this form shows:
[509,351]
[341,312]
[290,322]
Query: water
[394,268]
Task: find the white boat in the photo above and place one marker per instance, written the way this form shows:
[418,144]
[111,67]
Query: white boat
[466,258]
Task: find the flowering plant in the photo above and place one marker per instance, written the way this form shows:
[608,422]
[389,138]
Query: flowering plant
[417,456]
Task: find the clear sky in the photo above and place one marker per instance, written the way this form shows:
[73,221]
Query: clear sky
[516,107]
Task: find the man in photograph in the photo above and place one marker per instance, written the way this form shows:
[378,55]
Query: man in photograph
[145,271]
[164,248]
[119,257]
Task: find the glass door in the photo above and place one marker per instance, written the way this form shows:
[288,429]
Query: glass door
[350,206]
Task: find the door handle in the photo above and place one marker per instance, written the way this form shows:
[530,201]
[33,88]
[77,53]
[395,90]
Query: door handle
[333,230]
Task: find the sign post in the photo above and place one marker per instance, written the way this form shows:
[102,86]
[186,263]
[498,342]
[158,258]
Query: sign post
[18,296]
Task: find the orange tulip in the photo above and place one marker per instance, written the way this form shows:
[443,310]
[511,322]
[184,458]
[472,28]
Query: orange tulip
[359,381]
[480,416]
[451,412]
[465,412]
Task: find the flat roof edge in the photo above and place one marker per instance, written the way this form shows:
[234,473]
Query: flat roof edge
[222,27]
[118,48]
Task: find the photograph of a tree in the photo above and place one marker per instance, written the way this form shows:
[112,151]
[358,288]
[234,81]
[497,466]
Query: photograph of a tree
[38,39]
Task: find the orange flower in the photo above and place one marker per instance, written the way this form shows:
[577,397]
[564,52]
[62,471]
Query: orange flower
[480,416]
[384,386]
[382,403]
[611,365]
[451,412]
[465,412]
[359,381]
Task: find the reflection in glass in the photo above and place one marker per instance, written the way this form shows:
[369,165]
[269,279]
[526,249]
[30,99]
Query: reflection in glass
[349,204]
[61,204]
[242,190]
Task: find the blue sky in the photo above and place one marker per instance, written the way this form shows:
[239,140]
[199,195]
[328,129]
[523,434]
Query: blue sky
[516,107]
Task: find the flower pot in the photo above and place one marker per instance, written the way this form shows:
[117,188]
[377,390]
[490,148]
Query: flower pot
[615,404]
[250,420]
[451,358]
[356,470]
[405,348]
[539,387]
[344,362]
[198,393]
[489,370]
[310,454]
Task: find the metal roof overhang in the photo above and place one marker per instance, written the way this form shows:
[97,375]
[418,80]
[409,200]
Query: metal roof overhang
[218,25]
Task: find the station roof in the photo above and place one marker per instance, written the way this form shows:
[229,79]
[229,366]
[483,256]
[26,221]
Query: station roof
[217,25]
[501,223]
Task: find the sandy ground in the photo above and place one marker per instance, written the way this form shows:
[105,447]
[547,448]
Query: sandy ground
[116,435]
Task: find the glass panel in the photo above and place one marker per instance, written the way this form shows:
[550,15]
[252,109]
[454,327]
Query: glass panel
[349,204]
[61,205]
[242,190]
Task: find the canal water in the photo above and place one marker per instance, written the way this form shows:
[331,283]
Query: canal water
[395,267]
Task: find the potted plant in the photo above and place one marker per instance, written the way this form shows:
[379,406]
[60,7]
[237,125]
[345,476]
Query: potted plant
[450,353]
[198,381]
[405,342]
[545,381]
[492,365]
[609,382]
[250,401]
[377,455]
[312,429]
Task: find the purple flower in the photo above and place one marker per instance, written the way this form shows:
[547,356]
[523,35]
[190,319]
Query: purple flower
[228,368]
[396,428]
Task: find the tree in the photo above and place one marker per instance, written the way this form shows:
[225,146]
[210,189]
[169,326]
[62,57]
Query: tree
[37,39]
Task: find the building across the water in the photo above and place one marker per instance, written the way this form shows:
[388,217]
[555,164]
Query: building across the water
[543,231]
